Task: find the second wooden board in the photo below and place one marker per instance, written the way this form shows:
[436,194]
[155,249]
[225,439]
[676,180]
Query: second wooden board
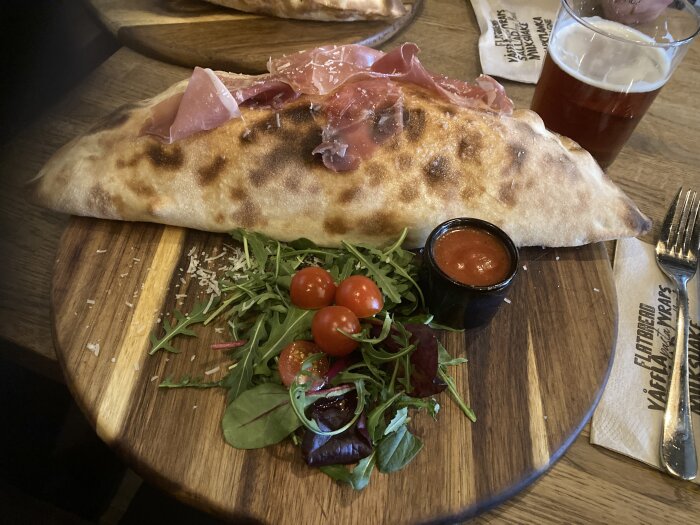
[195,33]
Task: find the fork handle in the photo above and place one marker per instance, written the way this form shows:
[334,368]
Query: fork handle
[678,444]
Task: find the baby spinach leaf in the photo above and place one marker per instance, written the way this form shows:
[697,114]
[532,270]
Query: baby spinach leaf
[259,417]
[397,450]
[358,478]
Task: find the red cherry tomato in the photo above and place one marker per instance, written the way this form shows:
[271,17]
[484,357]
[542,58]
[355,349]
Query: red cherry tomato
[325,325]
[293,355]
[312,288]
[361,295]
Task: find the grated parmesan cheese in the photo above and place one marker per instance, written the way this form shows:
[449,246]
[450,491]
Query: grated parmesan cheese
[507,300]
[94,348]
[101,251]
[90,301]
[212,371]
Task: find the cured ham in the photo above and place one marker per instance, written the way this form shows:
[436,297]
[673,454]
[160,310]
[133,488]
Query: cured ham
[321,70]
[359,90]
[361,116]
[205,104]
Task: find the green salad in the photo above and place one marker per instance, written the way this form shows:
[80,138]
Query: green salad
[332,348]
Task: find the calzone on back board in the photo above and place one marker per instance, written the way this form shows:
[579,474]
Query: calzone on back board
[325,10]
[338,143]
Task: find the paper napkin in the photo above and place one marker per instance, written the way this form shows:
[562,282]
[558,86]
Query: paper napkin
[629,416]
[514,36]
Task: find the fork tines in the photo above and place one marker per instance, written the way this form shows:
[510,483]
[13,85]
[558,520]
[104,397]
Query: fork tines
[679,234]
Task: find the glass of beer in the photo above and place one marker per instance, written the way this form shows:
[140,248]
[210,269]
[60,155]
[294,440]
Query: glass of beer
[605,64]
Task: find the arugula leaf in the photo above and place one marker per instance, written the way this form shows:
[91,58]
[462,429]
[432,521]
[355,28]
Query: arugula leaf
[376,418]
[259,417]
[399,419]
[240,378]
[296,322]
[358,478]
[397,450]
[452,388]
[181,327]
[445,359]
[380,276]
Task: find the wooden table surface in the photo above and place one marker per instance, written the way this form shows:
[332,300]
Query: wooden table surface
[588,484]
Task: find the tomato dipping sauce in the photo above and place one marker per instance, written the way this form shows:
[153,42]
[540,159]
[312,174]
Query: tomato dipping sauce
[472,256]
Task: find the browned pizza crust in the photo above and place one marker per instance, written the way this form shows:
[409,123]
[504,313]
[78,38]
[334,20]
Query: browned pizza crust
[329,10]
[258,172]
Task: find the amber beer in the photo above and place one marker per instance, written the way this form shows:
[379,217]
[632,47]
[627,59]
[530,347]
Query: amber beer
[595,89]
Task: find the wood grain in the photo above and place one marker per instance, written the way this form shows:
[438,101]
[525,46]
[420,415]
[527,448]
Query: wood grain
[531,392]
[589,484]
[195,33]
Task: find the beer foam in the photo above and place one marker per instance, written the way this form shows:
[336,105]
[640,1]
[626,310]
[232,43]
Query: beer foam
[614,64]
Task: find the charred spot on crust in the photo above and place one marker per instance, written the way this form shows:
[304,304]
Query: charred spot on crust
[259,177]
[348,195]
[103,203]
[219,218]
[376,172]
[307,143]
[408,194]
[169,158]
[133,161]
[381,223]
[336,225]
[414,123]
[248,215]
[470,146]
[139,187]
[210,172]
[404,162]
[238,194]
[298,114]
[438,170]
[506,192]
[470,191]
[115,119]
[292,184]
[100,200]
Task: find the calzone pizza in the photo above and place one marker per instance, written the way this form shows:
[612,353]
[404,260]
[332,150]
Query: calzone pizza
[329,10]
[338,143]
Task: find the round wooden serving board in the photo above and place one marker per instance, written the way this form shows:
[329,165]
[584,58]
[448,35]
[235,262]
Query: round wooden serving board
[534,375]
[196,33]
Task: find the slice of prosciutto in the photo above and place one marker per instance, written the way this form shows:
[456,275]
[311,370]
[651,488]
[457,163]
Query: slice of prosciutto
[205,104]
[357,123]
[402,64]
[361,116]
[321,70]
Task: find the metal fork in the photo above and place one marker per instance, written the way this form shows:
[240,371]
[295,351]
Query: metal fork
[677,255]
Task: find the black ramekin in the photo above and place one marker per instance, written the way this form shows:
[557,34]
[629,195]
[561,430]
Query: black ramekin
[460,305]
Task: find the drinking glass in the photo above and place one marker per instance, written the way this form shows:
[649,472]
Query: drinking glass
[606,62]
